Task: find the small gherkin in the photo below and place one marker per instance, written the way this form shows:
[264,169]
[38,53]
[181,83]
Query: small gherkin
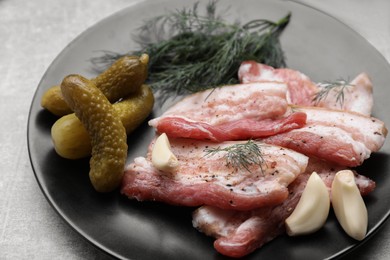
[106,131]
[124,77]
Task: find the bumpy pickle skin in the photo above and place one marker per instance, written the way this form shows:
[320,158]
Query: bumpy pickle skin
[134,109]
[71,139]
[106,131]
[124,77]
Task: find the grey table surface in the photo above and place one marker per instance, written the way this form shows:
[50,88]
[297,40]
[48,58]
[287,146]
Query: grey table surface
[32,33]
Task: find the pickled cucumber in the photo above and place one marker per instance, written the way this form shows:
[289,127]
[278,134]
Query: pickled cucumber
[71,139]
[136,108]
[53,101]
[106,131]
[125,76]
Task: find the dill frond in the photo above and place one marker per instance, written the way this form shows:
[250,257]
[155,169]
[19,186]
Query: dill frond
[240,156]
[339,87]
[190,52]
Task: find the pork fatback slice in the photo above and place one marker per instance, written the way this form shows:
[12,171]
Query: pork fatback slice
[238,233]
[202,179]
[342,137]
[301,89]
[357,96]
[235,112]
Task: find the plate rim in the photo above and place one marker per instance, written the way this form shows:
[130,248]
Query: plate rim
[102,248]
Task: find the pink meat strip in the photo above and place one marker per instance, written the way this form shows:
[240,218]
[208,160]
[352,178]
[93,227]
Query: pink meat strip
[341,137]
[202,179]
[236,112]
[239,233]
[237,130]
[358,97]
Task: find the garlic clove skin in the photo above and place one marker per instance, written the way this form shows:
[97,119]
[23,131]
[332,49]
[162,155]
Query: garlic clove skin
[348,205]
[162,156]
[312,210]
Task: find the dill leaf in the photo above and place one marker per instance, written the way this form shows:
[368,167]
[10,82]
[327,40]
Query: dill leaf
[241,155]
[338,87]
[190,52]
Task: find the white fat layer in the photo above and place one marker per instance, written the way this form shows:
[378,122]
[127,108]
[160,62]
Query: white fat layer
[217,220]
[300,159]
[230,103]
[264,73]
[239,91]
[244,69]
[363,99]
[339,136]
[358,97]
[367,130]
[267,74]
[280,163]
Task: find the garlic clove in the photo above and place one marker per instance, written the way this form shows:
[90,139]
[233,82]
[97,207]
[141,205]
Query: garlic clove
[348,205]
[162,156]
[312,210]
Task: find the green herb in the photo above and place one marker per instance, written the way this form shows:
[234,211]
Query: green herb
[240,156]
[190,52]
[338,86]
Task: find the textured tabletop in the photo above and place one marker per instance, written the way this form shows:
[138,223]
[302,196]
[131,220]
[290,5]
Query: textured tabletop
[32,34]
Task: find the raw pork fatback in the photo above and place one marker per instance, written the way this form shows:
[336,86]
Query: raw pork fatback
[357,96]
[202,179]
[236,112]
[341,137]
[239,233]
[301,89]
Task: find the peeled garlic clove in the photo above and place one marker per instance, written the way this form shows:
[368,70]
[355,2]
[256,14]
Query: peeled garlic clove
[348,205]
[162,156]
[312,209]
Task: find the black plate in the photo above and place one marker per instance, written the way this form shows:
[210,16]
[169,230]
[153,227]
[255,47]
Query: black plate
[315,44]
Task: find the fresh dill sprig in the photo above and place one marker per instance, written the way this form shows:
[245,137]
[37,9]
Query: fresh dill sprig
[339,87]
[190,52]
[240,156]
